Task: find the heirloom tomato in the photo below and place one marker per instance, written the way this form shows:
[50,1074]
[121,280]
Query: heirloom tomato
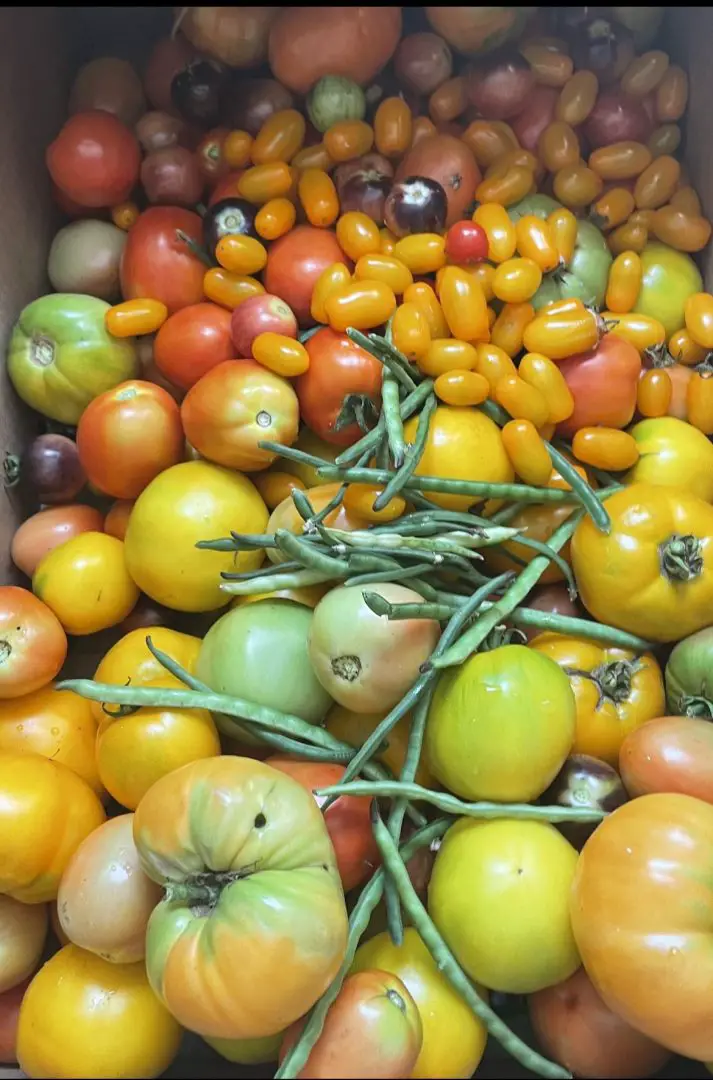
[603,383]
[185,504]
[33,644]
[642,916]
[673,454]
[130,662]
[341,386]
[253,928]
[49,528]
[295,262]
[23,929]
[669,754]
[668,279]
[158,264]
[192,342]
[354,729]
[285,516]
[46,812]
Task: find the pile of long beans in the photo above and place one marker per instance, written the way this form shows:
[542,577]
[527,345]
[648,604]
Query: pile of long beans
[434,551]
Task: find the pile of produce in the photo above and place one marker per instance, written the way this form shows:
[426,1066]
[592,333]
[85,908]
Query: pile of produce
[377,396]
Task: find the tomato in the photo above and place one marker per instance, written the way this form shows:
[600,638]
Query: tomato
[576,1028]
[49,528]
[285,516]
[260,315]
[117,518]
[10,1003]
[354,728]
[275,905]
[603,383]
[496,886]
[654,393]
[187,503]
[192,342]
[56,724]
[652,574]
[669,754]
[105,899]
[450,162]
[373,1021]
[466,242]
[33,645]
[82,1017]
[95,159]
[294,264]
[130,662]
[157,263]
[669,278]
[673,454]
[248,1051]
[23,929]
[46,812]
[338,369]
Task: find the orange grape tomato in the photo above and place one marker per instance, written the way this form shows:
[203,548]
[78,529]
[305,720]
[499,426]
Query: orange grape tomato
[484,272]
[631,236]
[512,157]
[641,331]
[605,448]
[550,68]
[237,149]
[333,279]
[664,139]
[280,354]
[393,124]
[645,73]
[422,253]
[620,160]
[228,289]
[447,354]
[612,208]
[577,98]
[424,297]
[699,401]
[387,241]
[422,128]
[507,188]
[558,147]
[313,157]
[539,371]
[672,95]
[279,138]
[488,140]
[409,330]
[461,388]
[653,393]
[624,282]
[464,305]
[318,196]
[492,316]
[378,267]
[508,329]
[679,230]
[657,183]
[517,280]
[275,487]
[241,254]
[577,185]
[527,452]
[135,317]
[534,241]
[348,139]
[698,313]
[359,500]
[124,215]
[684,349]
[686,199]
[264,182]
[358,234]
[449,100]
[500,230]
[361,304]
[521,400]
[493,363]
[560,336]
[275,218]
[564,306]
[563,229]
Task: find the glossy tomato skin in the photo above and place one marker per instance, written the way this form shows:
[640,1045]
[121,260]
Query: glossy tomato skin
[295,262]
[260,315]
[127,436]
[23,929]
[603,383]
[272,941]
[85,1017]
[639,928]
[192,342]
[10,1003]
[49,528]
[233,407]
[671,754]
[466,242]
[673,454]
[95,159]
[130,660]
[337,368]
[157,264]
[47,812]
[34,644]
[285,516]
[348,819]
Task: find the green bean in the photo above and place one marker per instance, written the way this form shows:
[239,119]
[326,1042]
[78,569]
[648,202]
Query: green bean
[338,498]
[588,498]
[396,612]
[292,453]
[268,583]
[506,514]
[392,418]
[454,543]
[447,963]
[249,575]
[567,624]
[476,489]
[368,442]
[310,557]
[384,353]
[554,556]
[302,504]
[387,346]
[307,334]
[238,542]
[382,459]
[402,574]
[414,454]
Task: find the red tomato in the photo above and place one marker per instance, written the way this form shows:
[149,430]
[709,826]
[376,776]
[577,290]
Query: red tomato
[337,368]
[260,315]
[671,754]
[127,436]
[552,598]
[348,819]
[156,263]
[71,208]
[192,341]
[603,382]
[294,263]
[47,529]
[95,159]
[33,645]
[466,242]
[10,1003]
[227,187]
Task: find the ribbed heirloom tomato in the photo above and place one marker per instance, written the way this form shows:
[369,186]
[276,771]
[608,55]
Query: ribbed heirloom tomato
[341,386]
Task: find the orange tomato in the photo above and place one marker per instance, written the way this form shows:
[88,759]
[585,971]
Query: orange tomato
[449,100]
[489,140]
[447,354]
[318,196]
[699,401]
[264,182]
[605,448]
[409,331]
[560,336]
[276,486]
[493,363]
[620,160]
[686,199]
[279,138]
[359,499]
[517,280]
[348,139]
[464,305]
[679,230]
[563,230]
[657,183]
[386,268]
[546,377]
[698,314]
[424,297]
[558,146]
[535,242]
[393,124]
[117,519]
[577,185]
[577,98]
[124,215]
[275,218]
[229,289]
[241,254]
[631,236]
[313,157]
[527,452]
[33,644]
[49,528]
[422,253]
[135,317]
[422,128]
[549,67]
[624,282]
[672,95]
[237,146]
[505,187]
[502,237]
[363,305]
[333,279]
[613,208]
[641,331]
[653,393]
[358,235]
[461,388]
[522,400]
[280,354]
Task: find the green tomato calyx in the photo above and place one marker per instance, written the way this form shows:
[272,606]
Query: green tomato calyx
[681,558]
[201,892]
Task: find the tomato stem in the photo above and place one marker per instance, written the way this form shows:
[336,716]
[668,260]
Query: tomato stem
[681,557]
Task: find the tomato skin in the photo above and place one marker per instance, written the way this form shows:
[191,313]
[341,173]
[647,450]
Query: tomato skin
[156,263]
[82,1017]
[95,159]
[295,262]
[45,530]
[282,935]
[603,383]
[193,341]
[10,1003]
[654,392]
[669,754]
[131,661]
[35,643]
[23,929]
[466,242]
[285,516]
[337,368]
[673,454]
[605,448]
[527,452]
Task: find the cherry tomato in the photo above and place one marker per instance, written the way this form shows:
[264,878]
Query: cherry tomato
[236,149]
[124,215]
[447,354]
[384,268]
[49,528]
[672,95]
[358,235]
[466,242]
[527,452]
[522,400]
[612,208]
[461,388]
[605,448]
[318,196]
[295,262]
[699,401]
[645,73]
[275,218]
[631,236]
[517,280]
[576,185]
[393,127]
[577,98]
[464,305]
[279,138]
[657,183]
[653,395]
[157,262]
[362,304]
[338,370]
[135,317]
[535,242]
[280,354]
[409,331]
[348,139]
[679,230]
[423,295]
[624,282]
[489,140]
[449,100]
[684,350]
[506,186]
[560,336]
[95,159]
[333,279]
[493,363]
[272,180]
[313,157]
[699,319]
[549,67]
[241,254]
[563,229]
[642,331]
[228,289]
[509,327]
[665,139]
[687,200]
[499,229]
[558,146]
[359,500]
[191,342]
[540,372]
[423,253]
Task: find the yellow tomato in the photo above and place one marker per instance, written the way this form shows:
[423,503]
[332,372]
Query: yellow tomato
[187,503]
[46,811]
[135,751]
[462,444]
[453,1037]
[58,725]
[673,454]
[355,728]
[86,583]
[497,888]
[84,1017]
[285,516]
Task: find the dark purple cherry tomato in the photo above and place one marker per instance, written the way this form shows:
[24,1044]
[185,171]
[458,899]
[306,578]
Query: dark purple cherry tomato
[584,782]
[198,92]
[416,205]
[228,217]
[52,469]
[363,184]
[466,242]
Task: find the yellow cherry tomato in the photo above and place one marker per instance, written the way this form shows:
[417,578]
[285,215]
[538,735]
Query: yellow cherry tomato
[699,401]
[505,187]
[679,230]
[577,98]
[362,304]
[624,282]
[540,372]
[612,208]
[620,160]
[348,139]
[358,235]
[447,354]
[422,253]
[359,500]
[387,241]
[275,218]
[464,305]
[461,388]
[280,354]
[386,268]
[550,68]
[527,452]
[276,486]
[686,199]
[558,146]
[502,237]
[393,125]
[517,280]
[672,94]
[654,392]
[262,183]
[631,236]
[516,156]
[424,297]
[509,328]
[577,185]
[644,73]
[241,254]
[535,242]
[409,330]
[318,196]
[641,331]
[565,305]
[664,139]
[236,149]
[699,319]
[313,157]
[86,583]
[84,1016]
[684,349]
[483,272]
[333,279]
[493,363]
[489,140]
[521,400]
[560,336]
[228,289]
[124,215]
[130,661]
[657,183]
[279,138]
[135,317]
[563,229]
[605,448]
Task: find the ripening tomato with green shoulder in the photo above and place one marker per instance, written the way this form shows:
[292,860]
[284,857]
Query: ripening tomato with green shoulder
[253,928]
[673,454]
[343,381]
[669,278]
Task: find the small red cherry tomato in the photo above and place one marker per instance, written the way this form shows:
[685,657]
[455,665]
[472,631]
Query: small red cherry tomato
[466,242]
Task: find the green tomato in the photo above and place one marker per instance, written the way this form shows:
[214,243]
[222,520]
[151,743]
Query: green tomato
[689,676]
[248,1051]
[669,277]
[334,99]
[61,357]
[501,725]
